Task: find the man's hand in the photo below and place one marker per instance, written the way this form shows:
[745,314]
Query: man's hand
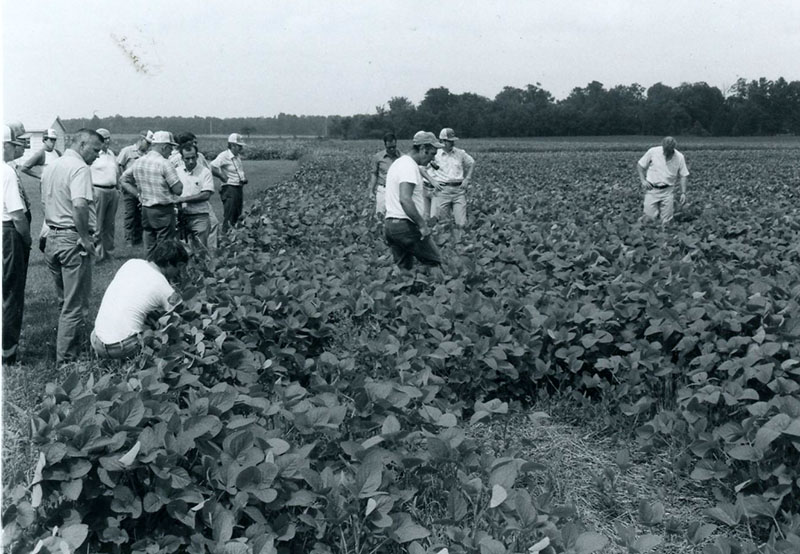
[437,185]
[466,183]
[646,184]
[88,246]
[424,231]
[683,198]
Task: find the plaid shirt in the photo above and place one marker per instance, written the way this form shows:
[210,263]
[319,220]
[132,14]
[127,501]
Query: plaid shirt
[155,178]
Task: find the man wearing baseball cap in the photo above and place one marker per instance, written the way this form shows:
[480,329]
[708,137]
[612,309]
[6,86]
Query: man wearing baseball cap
[131,205]
[105,172]
[16,248]
[68,199]
[228,165]
[154,180]
[34,166]
[406,231]
[454,170]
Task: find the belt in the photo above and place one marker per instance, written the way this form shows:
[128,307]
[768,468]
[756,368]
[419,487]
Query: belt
[54,228]
[105,186]
[660,186]
[160,206]
[453,184]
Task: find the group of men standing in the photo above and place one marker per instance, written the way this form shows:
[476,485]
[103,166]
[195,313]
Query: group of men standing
[417,187]
[80,196]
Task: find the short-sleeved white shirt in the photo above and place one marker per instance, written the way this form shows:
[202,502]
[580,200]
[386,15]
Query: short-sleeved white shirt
[660,170]
[137,289]
[194,182]
[12,200]
[105,169]
[403,170]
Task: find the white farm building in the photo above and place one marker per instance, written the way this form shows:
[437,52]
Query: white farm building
[36,131]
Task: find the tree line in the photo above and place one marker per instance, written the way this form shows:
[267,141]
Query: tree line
[748,108]
[280,125]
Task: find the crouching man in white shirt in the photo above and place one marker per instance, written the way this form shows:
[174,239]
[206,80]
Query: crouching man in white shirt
[139,289]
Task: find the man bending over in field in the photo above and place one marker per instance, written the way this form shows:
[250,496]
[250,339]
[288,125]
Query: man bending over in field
[663,166]
[407,232]
[139,288]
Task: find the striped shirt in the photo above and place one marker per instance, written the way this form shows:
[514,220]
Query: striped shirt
[154,177]
[231,168]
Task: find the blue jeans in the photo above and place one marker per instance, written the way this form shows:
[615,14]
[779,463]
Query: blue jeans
[71,267]
[406,242]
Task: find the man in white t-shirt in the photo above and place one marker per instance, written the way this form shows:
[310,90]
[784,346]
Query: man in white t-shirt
[34,166]
[138,289]
[659,171]
[405,228]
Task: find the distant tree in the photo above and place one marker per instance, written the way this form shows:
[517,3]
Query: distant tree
[248,130]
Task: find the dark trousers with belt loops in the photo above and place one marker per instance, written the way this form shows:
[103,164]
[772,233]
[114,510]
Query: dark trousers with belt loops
[15,273]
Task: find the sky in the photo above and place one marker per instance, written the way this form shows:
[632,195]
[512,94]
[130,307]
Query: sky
[260,58]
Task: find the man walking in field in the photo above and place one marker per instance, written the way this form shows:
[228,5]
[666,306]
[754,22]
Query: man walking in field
[379,165]
[659,170]
[454,170]
[69,213]
[131,205]
[405,228]
[158,186]
[36,164]
[105,172]
[231,171]
[16,248]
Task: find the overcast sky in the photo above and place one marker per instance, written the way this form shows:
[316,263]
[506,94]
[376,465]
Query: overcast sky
[250,58]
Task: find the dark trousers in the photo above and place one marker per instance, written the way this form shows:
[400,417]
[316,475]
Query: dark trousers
[15,272]
[407,243]
[158,223]
[133,219]
[232,201]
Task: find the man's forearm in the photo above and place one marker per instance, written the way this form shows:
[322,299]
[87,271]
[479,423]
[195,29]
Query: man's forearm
[21,225]
[411,211]
[127,183]
[642,175]
[82,223]
[199,197]
[683,184]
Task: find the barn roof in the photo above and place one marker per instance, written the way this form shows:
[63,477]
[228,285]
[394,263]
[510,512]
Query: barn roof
[39,125]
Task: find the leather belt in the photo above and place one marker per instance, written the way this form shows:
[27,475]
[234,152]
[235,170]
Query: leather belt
[54,228]
[105,186]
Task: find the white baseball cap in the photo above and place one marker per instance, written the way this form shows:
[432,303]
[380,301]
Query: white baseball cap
[50,134]
[236,138]
[163,137]
[8,136]
[448,134]
[426,137]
